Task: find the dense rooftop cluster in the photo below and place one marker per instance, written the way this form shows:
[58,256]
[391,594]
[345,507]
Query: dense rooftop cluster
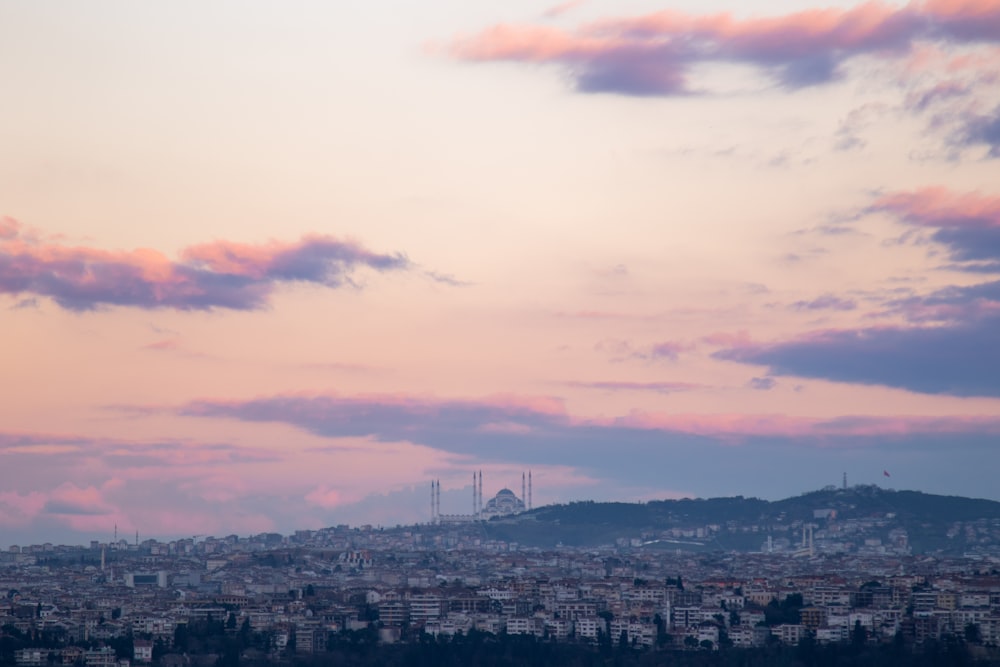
[271,598]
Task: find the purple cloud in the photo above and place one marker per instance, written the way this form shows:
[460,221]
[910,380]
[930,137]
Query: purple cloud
[960,359]
[209,276]
[637,448]
[623,349]
[952,349]
[762,384]
[979,130]
[967,224]
[826,302]
[667,350]
[654,54]
[659,387]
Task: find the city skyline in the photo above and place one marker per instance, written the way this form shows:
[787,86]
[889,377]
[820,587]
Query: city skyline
[266,268]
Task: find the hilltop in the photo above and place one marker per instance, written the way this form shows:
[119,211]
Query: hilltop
[855,518]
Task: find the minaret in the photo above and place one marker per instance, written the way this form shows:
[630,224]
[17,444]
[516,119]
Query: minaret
[480,492]
[529,489]
[524,492]
[475,496]
[437,500]
[432,501]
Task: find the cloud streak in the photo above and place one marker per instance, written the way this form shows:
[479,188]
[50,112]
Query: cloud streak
[949,344]
[636,449]
[826,302]
[981,129]
[217,275]
[615,386]
[452,424]
[961,359]
[87,484]
[654,54]
[967,224]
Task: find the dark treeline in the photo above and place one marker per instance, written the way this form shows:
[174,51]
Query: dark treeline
[218,644]
[483,650]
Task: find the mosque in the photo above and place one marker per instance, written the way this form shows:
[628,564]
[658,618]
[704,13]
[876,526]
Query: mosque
[504,503]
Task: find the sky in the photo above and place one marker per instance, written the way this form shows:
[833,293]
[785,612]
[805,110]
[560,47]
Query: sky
[268,266]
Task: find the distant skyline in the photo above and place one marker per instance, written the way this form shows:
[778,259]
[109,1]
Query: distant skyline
[267,267]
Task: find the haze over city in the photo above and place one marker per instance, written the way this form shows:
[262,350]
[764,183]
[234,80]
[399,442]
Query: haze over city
[269,266]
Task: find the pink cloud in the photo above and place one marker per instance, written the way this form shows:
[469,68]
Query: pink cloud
[134,455]
[942,90]
[941,207]
[83,508]
[529,44]
[623,349]
[669,350]
[562,8]
[659,387]
[967,224]
[154,486]
[9,228]
[594,315]
[392,416]
[652,54]
[18,509]
[966,19]
[325,497]
[728,339]
[167,344]
[221,274]
[983,63]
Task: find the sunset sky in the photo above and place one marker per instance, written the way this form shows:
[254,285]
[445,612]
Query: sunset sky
[269,265]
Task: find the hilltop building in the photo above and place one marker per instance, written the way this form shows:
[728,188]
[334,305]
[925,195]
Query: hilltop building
[504,503]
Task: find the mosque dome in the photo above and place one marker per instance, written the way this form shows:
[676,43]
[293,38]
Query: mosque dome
[504,503]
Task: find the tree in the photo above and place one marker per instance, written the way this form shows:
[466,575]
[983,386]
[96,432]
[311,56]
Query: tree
[859,636]
[973,634]
[181,637]
[159,649]
[662,638]
[124,647]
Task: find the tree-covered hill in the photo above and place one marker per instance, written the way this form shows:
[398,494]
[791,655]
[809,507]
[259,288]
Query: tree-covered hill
[738,523]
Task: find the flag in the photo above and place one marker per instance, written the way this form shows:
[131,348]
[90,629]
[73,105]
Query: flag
[886,473]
